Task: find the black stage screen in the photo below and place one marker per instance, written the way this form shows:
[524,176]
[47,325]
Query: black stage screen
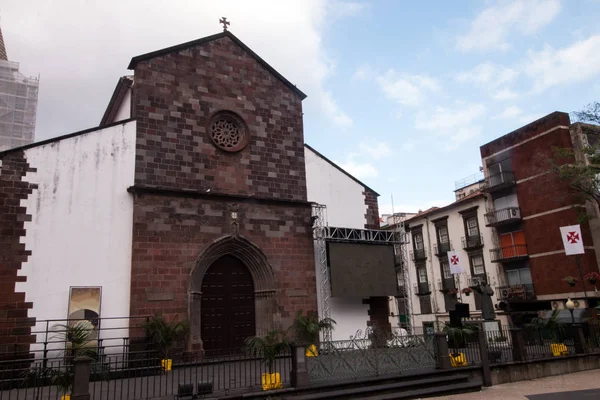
[361,270]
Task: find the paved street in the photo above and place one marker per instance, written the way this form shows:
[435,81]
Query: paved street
[580,385]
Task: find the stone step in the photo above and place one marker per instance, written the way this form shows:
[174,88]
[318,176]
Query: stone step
[444,390]
[366,390]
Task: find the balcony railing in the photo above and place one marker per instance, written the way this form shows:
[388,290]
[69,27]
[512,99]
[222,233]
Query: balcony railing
[499,181]
[502,216]
[509,253]
[421,289]
[446,284]
[472,242]
[440,249]
[516,292]
[418,255]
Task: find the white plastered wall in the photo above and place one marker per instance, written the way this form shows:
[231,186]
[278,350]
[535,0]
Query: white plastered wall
[80,232]
[346,208]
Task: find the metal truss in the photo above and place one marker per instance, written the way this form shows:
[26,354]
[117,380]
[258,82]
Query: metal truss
[320,228]
[365,235]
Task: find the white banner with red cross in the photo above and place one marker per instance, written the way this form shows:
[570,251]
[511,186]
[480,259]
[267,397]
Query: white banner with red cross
[572,240]
[454,259]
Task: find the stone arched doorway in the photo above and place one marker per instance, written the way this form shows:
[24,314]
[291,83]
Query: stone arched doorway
[248,255]
[227,306]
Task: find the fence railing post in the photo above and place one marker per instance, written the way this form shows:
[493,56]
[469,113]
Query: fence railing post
[81,379]
[519,351]
[485,358]
[443,356]
[299,372]
[579,339]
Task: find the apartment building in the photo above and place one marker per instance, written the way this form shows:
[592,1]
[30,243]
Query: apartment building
[526,207]
[459,226]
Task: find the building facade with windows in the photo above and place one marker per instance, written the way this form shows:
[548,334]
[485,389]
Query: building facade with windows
[459,226]
[527,206]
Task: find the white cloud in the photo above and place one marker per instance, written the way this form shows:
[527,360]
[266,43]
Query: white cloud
[363,73]
[454,125]
[489,75]
[576,63]
[505,94]
[376,149]
[510,112]
[86,65]
[492,27]
[408,90]
[358,169]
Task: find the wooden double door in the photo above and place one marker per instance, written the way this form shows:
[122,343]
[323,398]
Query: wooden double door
[227,309]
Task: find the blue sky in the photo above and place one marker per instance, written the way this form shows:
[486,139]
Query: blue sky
[401,93]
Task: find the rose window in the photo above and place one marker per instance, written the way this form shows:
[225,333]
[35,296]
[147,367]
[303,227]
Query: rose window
[228,132]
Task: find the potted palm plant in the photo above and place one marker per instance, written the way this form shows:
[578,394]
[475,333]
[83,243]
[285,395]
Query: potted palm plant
[458,337]
[163,334]
[269,347]
[79,341]
[554,328]
[307,328]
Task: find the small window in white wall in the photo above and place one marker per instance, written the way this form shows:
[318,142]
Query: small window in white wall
[418,239]
[400,278]
[477,264]
[472,226]
[442,232]
[445,268]
[422,272]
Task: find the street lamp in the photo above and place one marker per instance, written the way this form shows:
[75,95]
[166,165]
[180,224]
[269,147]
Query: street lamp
[570,306]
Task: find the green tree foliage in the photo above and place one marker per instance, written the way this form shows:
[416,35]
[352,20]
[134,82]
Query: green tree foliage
[581,174]
[163,334]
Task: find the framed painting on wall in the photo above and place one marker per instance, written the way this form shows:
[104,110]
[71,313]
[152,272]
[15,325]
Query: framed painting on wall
[84,308]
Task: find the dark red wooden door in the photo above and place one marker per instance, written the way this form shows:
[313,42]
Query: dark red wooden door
[227,314]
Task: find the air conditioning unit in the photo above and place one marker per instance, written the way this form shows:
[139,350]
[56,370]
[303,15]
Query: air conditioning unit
[504,293]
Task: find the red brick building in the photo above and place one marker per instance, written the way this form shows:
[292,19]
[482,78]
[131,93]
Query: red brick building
[528,207]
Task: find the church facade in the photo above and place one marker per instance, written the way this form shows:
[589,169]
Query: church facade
[189,200]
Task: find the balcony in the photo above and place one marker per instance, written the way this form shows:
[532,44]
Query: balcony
[509,253]
[446,284]
[472,242]
[503,216]
[520,292]
[440,249]
[421,289]
[418,255]
[499,181]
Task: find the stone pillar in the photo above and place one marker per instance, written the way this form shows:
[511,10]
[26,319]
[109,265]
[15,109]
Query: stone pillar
[81,379]
[519,351]
[194,315]
[579,339]
[379,315]
[485,358]
[443,356]
[299,372]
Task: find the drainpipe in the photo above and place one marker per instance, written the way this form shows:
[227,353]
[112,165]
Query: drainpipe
[434,296]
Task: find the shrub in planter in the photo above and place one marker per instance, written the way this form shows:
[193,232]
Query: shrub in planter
[554,328]
[592,278]
[467,291]
[163,335]
[571,281]
[268,347]
[307,328]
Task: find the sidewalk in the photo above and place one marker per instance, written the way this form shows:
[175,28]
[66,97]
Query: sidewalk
[527,389]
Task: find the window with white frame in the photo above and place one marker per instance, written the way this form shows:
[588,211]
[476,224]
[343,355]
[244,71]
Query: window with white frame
[445,268]
[477,264]
[418,240]
[422,272]
[472,226]
[442,232]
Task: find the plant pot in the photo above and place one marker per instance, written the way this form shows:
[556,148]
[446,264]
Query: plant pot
[558,349]
[592,281]
[458,359]
[468,294]
[311,351]
[66,397]
[166,364]
[271,381]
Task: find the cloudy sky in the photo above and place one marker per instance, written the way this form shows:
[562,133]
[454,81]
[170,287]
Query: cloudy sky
[400,93]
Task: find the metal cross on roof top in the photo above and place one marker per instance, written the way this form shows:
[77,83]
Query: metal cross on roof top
[224,21]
